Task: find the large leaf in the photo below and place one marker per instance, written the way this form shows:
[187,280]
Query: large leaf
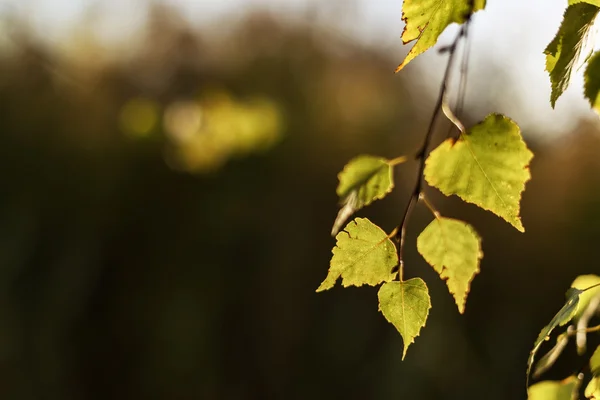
[487,167]
[566,49]
[406,305]
[592,82]
[363,180]
[364,254]
[453,249]
[426,19]
[555,390]
[563,316]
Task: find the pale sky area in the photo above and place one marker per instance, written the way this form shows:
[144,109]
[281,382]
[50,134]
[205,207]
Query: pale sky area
[510,34]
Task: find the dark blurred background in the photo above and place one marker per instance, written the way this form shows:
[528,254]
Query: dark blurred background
[166,204]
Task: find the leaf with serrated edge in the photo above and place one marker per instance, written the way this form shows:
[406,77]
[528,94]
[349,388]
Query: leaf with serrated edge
[566,50]
[563,316]
[488,167]
[363,180]
[426,19]
[406,306]
[566,389]
[453,249]
[363,254]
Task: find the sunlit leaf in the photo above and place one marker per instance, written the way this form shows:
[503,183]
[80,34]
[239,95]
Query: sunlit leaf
[488,167]
[563,316]
[566,49]
[363,255]
[406,305]
[592,391]
[426,19]
[555,390]
[362,181]
[453,249]
[592,82]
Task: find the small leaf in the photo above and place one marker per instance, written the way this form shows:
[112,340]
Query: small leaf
[592,82]
[595,362]
[362,181]
[563,316]
[406,305]
[363,254]
[555,390]
[565,50]
[486,167]
[453,249]
[426,19]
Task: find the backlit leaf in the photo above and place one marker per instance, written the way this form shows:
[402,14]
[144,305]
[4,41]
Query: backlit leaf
[362,181]
[406,305]
[564,52]
[363,255]
[453,249]
[426,19]
[488,167]
[555,390]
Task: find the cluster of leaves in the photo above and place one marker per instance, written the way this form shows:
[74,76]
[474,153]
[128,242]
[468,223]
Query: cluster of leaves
[486,165]
[583,303]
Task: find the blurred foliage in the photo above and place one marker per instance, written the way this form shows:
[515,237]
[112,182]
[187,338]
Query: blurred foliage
[135,263]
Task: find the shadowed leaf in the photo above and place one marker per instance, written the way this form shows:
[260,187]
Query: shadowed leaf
[564,52]
[362,181]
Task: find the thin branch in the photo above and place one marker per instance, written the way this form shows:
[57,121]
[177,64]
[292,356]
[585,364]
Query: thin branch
[422,152]
[464,73]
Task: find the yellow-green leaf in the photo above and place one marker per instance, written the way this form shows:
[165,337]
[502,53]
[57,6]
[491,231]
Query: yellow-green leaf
[406,305]
[363,180]
[426,19]
[453,249]
[487,166]
[363,254]
[592,82]
[592,391]
[555,390]
[583,282]
[564,52]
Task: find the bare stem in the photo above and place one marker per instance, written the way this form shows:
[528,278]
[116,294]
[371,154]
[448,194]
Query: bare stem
[423,150]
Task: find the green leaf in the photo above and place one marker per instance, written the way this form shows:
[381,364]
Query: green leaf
[453,249]
[555,390]
[406,305]
[565,50]
[583,282]
[426,19]
[592,391]
[363,180]
[563,316]
[594,2]
[592,82]
[486,167]
[595,362]
[363,254]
